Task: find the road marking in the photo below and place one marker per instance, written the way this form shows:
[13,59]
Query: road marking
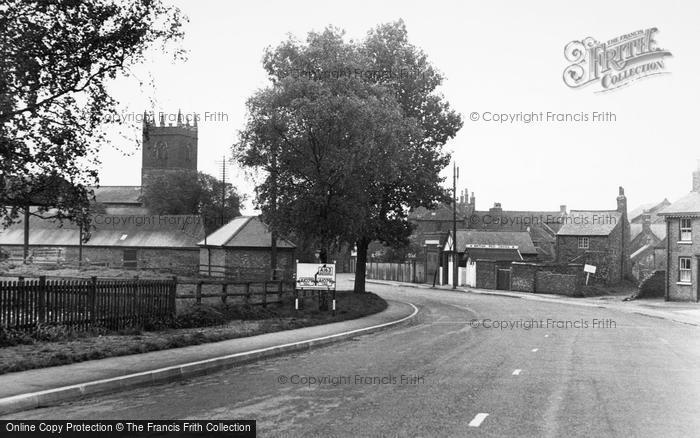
[516,372]
[476,422]
[534,350]
[546,336]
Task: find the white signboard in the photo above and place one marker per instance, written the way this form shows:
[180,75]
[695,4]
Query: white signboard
[319,276]
[589,268]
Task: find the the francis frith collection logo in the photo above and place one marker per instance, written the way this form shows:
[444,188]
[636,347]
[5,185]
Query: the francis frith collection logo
[616,62]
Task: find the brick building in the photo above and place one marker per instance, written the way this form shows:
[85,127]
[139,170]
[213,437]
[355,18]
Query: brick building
[645,236]
[241,249]
[119,241]
[473,245]
[683,245]
[542,226]
[600,238]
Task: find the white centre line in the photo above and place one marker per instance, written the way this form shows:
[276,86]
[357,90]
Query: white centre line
[516,372]
[534,350]
[476,422]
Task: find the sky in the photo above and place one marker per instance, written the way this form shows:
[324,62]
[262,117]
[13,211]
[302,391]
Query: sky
[502,57]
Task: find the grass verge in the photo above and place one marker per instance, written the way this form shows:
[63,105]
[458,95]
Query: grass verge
[197,325]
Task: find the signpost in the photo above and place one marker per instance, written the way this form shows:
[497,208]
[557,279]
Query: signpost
[315,276]
[588,269]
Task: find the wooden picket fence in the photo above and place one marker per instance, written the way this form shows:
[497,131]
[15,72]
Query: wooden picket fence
[84,303]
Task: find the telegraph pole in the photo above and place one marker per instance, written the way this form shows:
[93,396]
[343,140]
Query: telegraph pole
[273,202]
[455,254]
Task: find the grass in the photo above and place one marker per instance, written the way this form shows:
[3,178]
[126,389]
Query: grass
[197,325]
[624,288]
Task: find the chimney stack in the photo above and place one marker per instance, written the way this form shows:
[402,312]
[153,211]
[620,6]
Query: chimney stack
[696,178]
[496,207]
[622,202]
[562,209]
[646,221]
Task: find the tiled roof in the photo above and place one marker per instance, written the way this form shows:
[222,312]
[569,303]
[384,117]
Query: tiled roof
[659,230]
[590,223]
[687,205]
[244,232]
[152,231]
[443,212]
[117,194]
[640,251]
[493,254]
[521,240]
[513,220]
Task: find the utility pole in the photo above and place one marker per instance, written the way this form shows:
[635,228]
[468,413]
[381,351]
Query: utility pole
[223,190]
[455,254]
[273,232]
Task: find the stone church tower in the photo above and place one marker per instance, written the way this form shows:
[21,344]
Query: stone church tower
[168,148]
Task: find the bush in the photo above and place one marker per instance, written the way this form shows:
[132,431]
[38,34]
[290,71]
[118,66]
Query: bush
[200,315]
[653,286]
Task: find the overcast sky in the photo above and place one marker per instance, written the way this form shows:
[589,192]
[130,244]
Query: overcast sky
[500,57]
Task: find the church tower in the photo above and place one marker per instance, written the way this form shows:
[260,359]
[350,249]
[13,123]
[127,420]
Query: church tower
[168,148]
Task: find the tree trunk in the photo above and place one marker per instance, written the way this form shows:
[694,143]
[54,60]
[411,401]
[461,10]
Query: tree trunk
[361,265]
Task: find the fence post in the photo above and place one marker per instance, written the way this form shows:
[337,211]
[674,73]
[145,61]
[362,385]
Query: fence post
[264,300]
[41,298]
[92,297]
[224,292]
[172,296]
[198,293]
[247,293]
[280,290]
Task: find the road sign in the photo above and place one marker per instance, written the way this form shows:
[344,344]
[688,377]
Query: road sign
[589,268]
[315,276]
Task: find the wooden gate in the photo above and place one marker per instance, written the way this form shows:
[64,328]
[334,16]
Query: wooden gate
[503,279]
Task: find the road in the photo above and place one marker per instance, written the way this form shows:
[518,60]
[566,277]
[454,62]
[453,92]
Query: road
[630,375]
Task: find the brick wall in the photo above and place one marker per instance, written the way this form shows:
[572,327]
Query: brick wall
[486,272]
[553,283]
[182,260]
[256,261]
[523,277]
[676,291]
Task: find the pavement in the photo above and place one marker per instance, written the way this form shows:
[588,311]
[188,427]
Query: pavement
[682,312]
[469,364]
[48,386]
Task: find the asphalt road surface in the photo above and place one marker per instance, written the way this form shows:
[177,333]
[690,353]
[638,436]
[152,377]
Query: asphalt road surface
[453,372]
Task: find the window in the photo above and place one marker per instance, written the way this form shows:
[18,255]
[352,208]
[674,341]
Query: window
[684,269]
[686,230]
[584,243]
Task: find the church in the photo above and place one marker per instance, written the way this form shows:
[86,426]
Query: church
[125,234]
[165,148]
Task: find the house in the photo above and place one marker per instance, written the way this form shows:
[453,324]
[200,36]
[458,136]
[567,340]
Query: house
[683,245]
[473,245]
[600,238]
[636,216]
[120,241]
[645,236]
[242,249]
[542,226]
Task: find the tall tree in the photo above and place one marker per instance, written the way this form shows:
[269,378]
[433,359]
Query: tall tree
[357,132]
[56,58]
[192,193]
